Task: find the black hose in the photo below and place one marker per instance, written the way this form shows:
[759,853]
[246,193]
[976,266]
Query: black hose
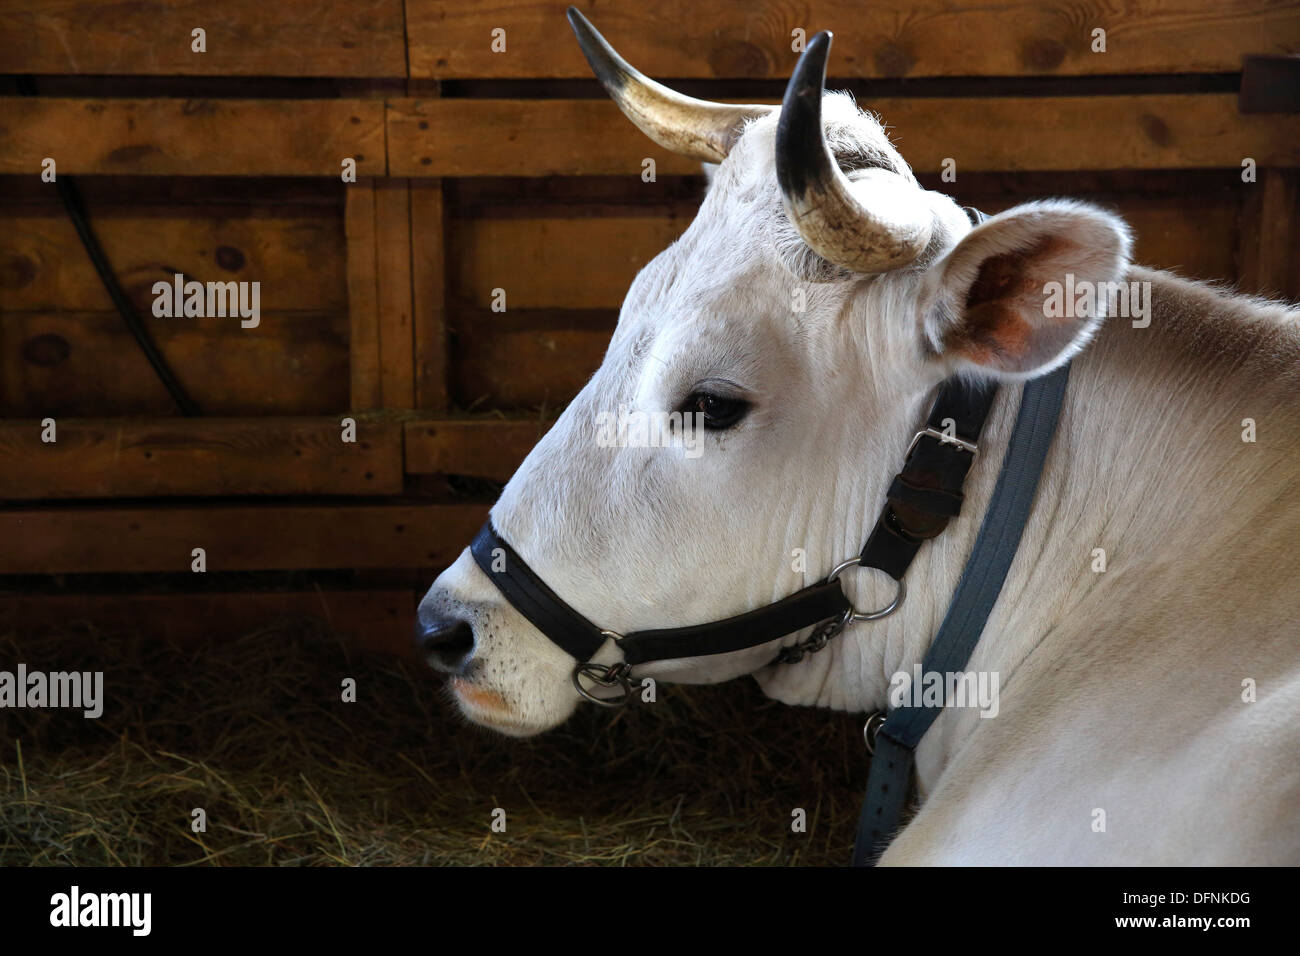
[72,201]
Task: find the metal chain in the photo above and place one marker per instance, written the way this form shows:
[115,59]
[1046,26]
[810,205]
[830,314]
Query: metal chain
[816,641]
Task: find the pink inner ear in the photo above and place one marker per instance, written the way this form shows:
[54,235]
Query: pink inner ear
[998,326]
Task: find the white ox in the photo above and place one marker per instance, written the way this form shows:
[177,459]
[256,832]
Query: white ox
[1124,690]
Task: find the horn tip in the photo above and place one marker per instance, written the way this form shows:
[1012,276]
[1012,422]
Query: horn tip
[581,26]
[610,69]
[818,50]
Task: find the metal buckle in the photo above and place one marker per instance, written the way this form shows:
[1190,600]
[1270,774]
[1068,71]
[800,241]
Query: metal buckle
[858,616]
[606,675]
[946,439]
[870,733]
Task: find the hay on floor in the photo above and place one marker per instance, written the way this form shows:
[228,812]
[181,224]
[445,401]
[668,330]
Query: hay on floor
[254,732]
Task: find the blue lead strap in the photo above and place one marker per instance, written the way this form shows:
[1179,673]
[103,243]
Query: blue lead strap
[890,777]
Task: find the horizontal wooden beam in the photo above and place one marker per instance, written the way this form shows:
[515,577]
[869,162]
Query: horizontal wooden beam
[243,38]
[671,38]
[297,257]
[484,137]
[87,365]
[177,457]
[235,538]
[208,137]
[685,38]
[449,137]
[482,447]
[203,457]
[584,262]
[378,620]
[525,359]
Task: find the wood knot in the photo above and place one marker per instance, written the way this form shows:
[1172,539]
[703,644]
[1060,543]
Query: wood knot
[46,351]
[229,258]
[892,60]
[1042,54]
[1156,129]
[16,271]
[738,58]
[129,154]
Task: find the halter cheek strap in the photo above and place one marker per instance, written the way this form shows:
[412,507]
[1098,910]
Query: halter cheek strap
[927,493]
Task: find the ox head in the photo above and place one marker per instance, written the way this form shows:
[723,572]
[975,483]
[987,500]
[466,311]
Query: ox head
[803,319]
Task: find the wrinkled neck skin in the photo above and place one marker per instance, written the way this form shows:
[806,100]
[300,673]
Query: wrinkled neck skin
[1146,461]
[853,672]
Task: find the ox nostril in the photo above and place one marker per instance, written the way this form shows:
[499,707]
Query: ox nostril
[446,643]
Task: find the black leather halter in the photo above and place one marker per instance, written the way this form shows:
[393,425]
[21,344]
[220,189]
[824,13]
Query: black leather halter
[921,500]
[582,639]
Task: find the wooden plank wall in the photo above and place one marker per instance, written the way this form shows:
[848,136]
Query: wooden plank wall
[479,170]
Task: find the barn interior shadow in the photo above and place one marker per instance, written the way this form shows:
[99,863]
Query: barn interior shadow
[254,732]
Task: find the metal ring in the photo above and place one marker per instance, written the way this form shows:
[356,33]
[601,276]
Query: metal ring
[885,611]
[869,733]
[607,675]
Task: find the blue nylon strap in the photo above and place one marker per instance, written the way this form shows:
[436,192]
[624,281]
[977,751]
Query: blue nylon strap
[890,777]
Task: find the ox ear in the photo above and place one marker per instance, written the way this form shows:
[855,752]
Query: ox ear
[1012,298]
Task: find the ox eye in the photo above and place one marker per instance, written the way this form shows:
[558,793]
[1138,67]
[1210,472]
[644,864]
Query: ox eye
[719,411]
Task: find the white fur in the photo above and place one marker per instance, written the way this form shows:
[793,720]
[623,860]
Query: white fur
[1120,690]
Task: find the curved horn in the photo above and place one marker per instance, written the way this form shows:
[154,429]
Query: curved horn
[873,224]
[681,124]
